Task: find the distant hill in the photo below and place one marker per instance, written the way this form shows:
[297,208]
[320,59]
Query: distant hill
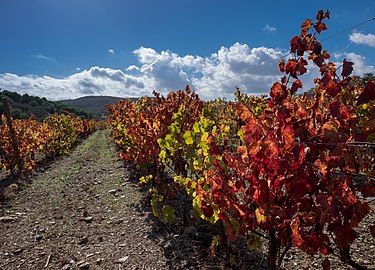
[26,106]
[93,104]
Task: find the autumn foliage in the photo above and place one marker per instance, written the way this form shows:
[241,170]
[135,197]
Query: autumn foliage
[37,140]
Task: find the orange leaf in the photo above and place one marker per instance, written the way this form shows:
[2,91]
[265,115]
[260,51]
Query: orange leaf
[305,27]
[278,92]
[282,65]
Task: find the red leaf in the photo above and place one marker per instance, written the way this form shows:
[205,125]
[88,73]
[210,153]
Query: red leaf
[333,88]
[326,55]
[294,44]
[278,92]
[321,166]
[326,264]
[296,235]
[305,27]
[298,188]
[372,229]
[271,149]
[288,137]
[207,210]
[291,67]
[368,93]
[297,84]
[282,65]
[320,26]
[252,129]
[345,236]
[330,130]
[331,67]
[347,68]
[319,60]
[334,108]
[301,66]
[317,48]
[320,15]
[283,80]
[230,232]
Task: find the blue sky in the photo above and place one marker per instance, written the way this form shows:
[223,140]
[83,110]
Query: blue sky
[70,48]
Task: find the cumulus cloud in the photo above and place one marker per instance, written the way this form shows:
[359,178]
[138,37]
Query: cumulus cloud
[359,38]
[253,70]
[269,28]
[172,71]
[94,81]
[111,51]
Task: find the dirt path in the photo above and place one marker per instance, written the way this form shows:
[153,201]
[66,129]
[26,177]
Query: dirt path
[79,213]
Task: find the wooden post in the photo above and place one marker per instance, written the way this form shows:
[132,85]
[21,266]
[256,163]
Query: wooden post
[12,133]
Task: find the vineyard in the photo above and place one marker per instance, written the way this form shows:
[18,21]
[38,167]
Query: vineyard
[291,169]
[24,142]
[294,171]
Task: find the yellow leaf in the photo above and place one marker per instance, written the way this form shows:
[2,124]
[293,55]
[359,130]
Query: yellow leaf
[259,216]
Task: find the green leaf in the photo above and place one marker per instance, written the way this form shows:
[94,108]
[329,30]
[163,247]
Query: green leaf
[188,137]
[177,116]
[205,124]
[240,134]
[196,127]
[154,206]
[205,148]
[204,137]
[168,213]
[253,242]
[163,155]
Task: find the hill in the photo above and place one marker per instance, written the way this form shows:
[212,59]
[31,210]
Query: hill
[93,104]
[26,106]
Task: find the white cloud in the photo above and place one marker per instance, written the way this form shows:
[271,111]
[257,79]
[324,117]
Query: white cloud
[269,28]
[94,81]
[132,68]
[171,71]
[359,38]
[78,68]
[42,57]
[254,70]
[337,55]
[111,51]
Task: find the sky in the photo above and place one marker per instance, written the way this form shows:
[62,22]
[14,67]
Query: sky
[65,49]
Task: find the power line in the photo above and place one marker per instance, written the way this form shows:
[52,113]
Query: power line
[347,29]
[283,56]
